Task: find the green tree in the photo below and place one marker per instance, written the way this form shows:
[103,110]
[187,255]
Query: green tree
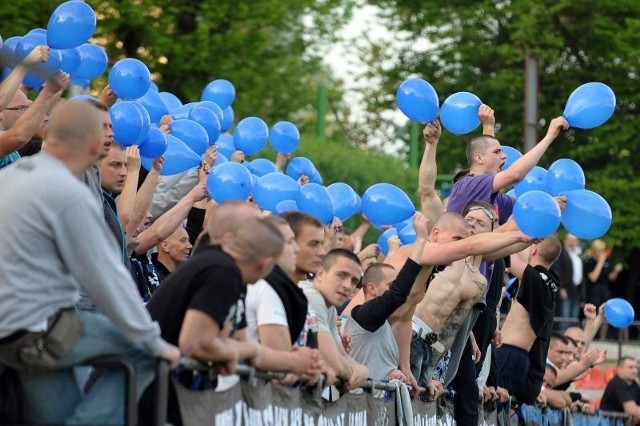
[480,46]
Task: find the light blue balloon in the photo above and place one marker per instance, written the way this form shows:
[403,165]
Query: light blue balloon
[407,235]
[314,200]
[29,42]
[587,215]
[386,204]
[207,119]
[383,240]
[299,166]
[537,214]
[70,25]
[564,175]
[225,145]
[191,133]
[183,111]
[171,101]
[178,158]
[261,167]
[9,56]
[250,135]
[71,59]
[273,188]
[590,105]
[38,31]
[221,158]
[285,206]
[284,137]
[93,62]
[146,122]
[459,113]
[154,105]
[227,120]
[128,123]
[316,177]
[154,144]
[220,91]
[418,100]
[619,313]
[213,107]
[512,156]
[229,182]
[535,180]
[129,78]
[401,225]
[345,200]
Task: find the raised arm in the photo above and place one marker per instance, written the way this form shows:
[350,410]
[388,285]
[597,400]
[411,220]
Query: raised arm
[11,84]
[127,198]
[524,164]
[145,194]
[488,119]
[430,203]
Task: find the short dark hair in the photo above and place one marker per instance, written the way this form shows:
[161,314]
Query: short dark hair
[625,358]
[297,220]
[477,145]
[559,337]
[332,257]
[374,273]
[550,249]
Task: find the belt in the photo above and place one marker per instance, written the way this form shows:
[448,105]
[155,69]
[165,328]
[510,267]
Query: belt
[425,333]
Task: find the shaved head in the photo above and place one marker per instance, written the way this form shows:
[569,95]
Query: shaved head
[228,217]
[74,124]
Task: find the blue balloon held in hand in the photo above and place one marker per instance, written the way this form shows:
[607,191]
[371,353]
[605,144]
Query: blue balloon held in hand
[383,240]
[129,78]
[213,107]
[29,42]
[386,204]
[537,214]
[418,100]
[619,313]
[273,188]
[154,144]
[207,119]
[70,25]
[171,101]
[459,113]
[590,105]
[261,167]
[71,58]
[535,180]
[178,158]
[284,137]
[219,91]
[564,175]
[285,206]
[250,135]
[225,145]
[93,62]
[300,166]
[314,200]
[407,234]
[227,120]
[154,105]
[128,123]
[229,182]
[345,200]
[146,122]
[183,111]
[191,133]
[587,215]
[512,156]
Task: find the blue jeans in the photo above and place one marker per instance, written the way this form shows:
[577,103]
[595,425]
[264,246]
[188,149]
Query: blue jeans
[421,360]
[53,396]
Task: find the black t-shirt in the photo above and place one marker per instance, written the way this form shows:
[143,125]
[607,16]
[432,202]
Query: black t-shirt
[617,392]
[538,296]
[603,278]
[209,282]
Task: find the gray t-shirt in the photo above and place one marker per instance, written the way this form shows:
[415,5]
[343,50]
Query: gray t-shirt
[378,350]
[327,315]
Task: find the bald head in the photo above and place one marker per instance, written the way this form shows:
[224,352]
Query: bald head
[74,125]
[228,217]
[549,250]
[449,220]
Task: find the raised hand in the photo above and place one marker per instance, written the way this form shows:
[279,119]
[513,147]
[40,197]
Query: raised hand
[486,115]
[420,223]
[38,55]
[432,132]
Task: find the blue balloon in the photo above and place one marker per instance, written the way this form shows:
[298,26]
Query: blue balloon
[383,240]
[459,113]
[284,137]
[345,200]
[29,42]
[213,107]
[129,78]
[401,225]
[229,182]
[170,100]
[535,180]
[537,214]
[219,91]
[273,188]
[146,122]
[250,135]
[512,156]
[300,166]
[285,206]
[207,119]
[407,235]
[418,100]
[154,105]
[8,51]
[128,123]
[587,215]
[386,204]
[81,82]
[183,111]
[225,145]
[38,31]
[178,158]
[70,25]
[71,59]
[619,313]
[93,62]
[261,167]
[590,105]
[564,175]
[221,158]
[191,133]
[154,144]
[153,86]
[314,200]
[316,177]
[227,120]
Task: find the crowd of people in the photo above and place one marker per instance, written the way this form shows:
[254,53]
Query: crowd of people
[100,257]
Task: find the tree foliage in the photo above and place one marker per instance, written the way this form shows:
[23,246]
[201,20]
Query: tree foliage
[480,46]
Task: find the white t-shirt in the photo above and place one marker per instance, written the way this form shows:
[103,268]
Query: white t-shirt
[263,307]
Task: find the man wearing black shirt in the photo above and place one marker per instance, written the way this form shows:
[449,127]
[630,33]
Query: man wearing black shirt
[622,393]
